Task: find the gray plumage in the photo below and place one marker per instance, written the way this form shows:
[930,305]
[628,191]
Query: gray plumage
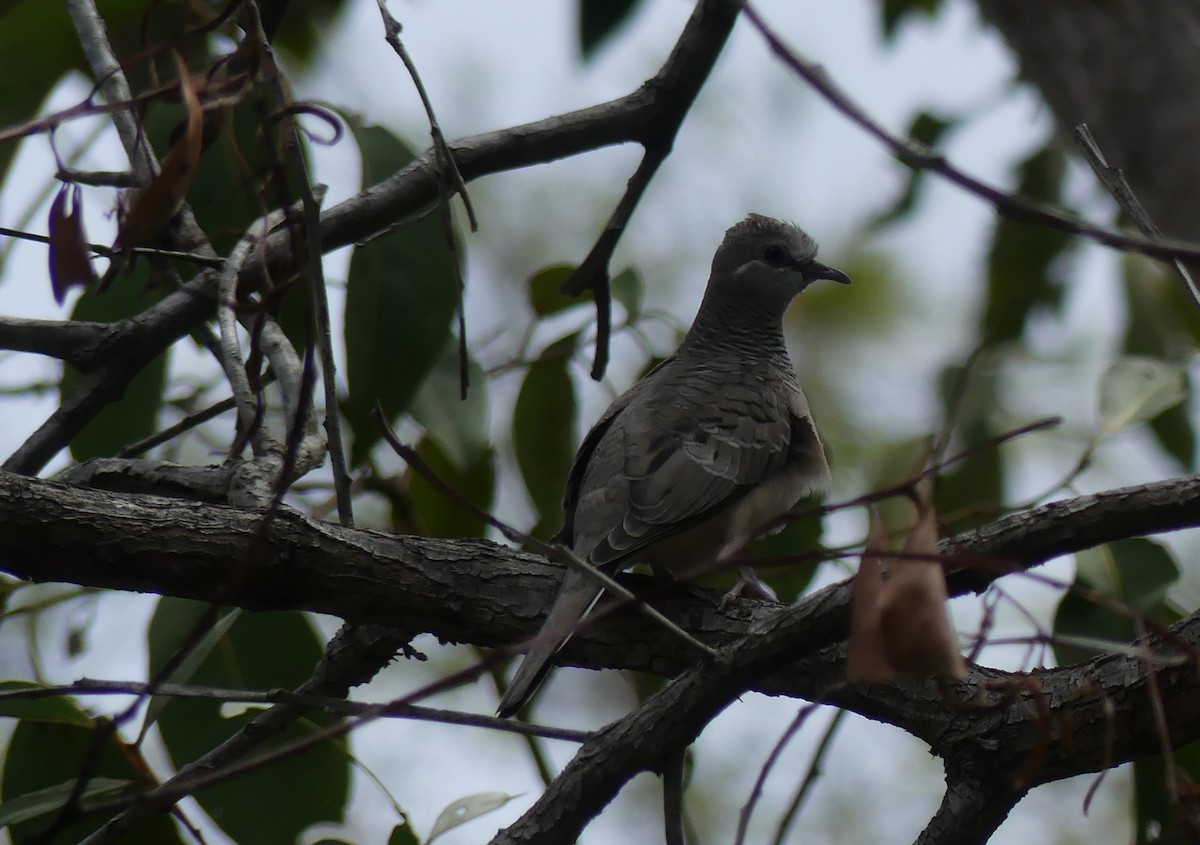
[711,444]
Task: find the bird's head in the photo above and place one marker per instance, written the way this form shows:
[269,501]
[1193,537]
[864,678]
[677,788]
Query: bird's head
[767,261]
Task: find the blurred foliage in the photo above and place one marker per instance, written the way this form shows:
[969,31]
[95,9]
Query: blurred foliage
[928,129]
[136,414]
[599,20]
[1162,324]
[544,432]
[43,760]
[261,651]
[401,296]
[892,13]
[1023,263]
[40,47]
[1113,584]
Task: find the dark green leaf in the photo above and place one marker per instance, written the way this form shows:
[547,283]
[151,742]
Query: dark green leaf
[1022,259]
[261,651]
[459,425]
[544,436]
[629,290]
[1153,808]
[1136,573]
[402,834]
[50,756]
[187,617]
[302,24]
[598,19]
[400,300]
[928,129]
[894,12]
[34,805]
[545,290]
[978,481]
[135,414]
[435,515]
[59,708]
[1157,326]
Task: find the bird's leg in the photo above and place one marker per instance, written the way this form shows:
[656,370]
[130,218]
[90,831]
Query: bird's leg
[749,585]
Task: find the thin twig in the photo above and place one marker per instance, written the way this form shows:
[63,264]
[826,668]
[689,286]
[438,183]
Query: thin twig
[919,156]
[810,778]
[108,252]
[448,176]
[93,37]
[1114,181]
[772,758]
[336,706]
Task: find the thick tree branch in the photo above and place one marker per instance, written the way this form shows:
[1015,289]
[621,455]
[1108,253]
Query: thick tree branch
[58,533]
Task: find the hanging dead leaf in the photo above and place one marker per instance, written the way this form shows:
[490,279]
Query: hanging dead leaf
[915,620]
[900,623]
[866,658]
[70,263]
[154,207]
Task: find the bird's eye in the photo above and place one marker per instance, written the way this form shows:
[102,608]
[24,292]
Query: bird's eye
[775,255]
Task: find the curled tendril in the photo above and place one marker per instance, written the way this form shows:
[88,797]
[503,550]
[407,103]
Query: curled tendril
[323,113]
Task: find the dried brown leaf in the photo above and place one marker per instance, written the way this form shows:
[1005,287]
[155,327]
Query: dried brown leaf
[867,658]
[154,207]
[70,263]
[915,620]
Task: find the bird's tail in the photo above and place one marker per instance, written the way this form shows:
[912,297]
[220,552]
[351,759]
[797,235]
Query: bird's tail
[576,598]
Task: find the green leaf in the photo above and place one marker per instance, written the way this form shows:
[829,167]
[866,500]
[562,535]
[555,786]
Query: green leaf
[304,26]
[401,296]
[545,290]
[544,435]
[403,834]
[188,617]
[629,290]
[978,480]
[1153,808]
[467,808]
[928,129]
[261,651]
[799,539]
[1023,260]
[135,414]
[1136,572]
[1157,326]
[41,765]
[459,425]
[433,514]
[34,805]
[894,12]
[1136,389]
[598,19]
[58,708]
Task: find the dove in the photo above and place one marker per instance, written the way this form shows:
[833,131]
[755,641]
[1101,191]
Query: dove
[717,440]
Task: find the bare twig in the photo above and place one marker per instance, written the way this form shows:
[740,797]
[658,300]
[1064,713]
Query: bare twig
[94,39]
[810,778]
[756,790]
[919,156]
[1114,182]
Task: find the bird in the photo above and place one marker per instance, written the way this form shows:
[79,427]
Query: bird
[692,460]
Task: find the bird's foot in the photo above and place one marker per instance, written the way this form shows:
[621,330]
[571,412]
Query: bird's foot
[749,585]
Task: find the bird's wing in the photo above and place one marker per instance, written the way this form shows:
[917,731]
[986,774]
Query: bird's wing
[684,448]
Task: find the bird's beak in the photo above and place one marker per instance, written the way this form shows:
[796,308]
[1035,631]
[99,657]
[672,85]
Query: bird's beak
[815,270]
